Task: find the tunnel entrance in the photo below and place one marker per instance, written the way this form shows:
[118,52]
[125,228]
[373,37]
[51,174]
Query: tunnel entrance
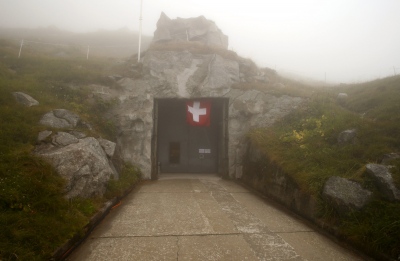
[190,136]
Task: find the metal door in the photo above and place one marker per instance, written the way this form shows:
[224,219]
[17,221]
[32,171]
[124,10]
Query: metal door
[182,148]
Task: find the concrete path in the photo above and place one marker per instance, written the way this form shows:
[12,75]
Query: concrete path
[194,217]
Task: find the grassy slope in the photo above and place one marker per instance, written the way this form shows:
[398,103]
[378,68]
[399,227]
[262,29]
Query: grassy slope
[117,43]
[305,145]
[35,219]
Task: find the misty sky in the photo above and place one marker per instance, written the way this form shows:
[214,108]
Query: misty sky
[348,40]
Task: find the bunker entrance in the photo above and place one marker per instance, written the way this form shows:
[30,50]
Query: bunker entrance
[190,136]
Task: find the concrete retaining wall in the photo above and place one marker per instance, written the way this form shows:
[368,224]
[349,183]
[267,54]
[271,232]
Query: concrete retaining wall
[268,178]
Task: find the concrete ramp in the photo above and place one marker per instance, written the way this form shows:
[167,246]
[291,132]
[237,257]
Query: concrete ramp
[201,217]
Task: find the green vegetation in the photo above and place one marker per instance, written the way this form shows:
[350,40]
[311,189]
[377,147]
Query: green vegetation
[35,218]
[130,175]
[305,145]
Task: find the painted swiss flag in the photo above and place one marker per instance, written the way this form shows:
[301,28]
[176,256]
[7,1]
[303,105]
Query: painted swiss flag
[198,113]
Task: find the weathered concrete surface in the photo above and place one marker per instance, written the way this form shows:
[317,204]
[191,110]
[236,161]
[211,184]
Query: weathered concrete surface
[204,218]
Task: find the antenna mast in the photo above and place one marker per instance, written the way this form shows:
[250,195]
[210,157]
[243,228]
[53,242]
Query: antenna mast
[140,29]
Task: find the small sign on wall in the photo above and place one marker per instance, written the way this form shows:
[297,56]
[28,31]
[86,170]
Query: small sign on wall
[206,151]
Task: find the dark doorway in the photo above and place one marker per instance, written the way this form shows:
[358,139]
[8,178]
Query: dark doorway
[180,147]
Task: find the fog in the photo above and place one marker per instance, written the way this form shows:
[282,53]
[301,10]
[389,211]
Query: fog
[336,41]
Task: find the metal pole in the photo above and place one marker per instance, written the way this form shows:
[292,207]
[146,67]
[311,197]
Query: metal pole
[20,49]
[87,54]
[140,29]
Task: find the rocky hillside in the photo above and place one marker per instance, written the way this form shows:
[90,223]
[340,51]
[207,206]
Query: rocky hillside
[336,161]
[57,160]
[332,151]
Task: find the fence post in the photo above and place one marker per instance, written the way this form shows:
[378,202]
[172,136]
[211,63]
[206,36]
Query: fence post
[140,28]
[20,49]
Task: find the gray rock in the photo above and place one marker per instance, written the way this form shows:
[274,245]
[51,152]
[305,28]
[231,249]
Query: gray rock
[78,134]
[384,181]
[188,75]
[221,75]
[197,29]
[64,139]
[71,117]
[387,158]
[25,99]
[347,137]
[261,78]
[108,146]
[162,32]
[43,135]
[84,165]
[60,118]
[115,77]
[342,98]
[345,195]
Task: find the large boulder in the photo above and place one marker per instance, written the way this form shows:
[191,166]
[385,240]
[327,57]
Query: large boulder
[84,165]
[345,195]
[384,181]
[197,29]
[25,99]
[347,137]
[60,118]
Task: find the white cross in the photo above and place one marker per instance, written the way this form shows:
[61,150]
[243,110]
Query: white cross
[196,111]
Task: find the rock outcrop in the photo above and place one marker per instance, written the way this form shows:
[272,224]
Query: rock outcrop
[173,74]
[84,162]
[84,165]
[64,139]
[25,99]
[347,137]
[345,195]
[384,181]
[192,29]
[187,74]
[60,118]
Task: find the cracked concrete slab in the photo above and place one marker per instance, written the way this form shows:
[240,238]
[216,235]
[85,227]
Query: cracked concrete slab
[128,249]
[274,218]
[212,247]
[197,217]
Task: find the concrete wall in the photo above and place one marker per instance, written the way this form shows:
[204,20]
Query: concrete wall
[268,178]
